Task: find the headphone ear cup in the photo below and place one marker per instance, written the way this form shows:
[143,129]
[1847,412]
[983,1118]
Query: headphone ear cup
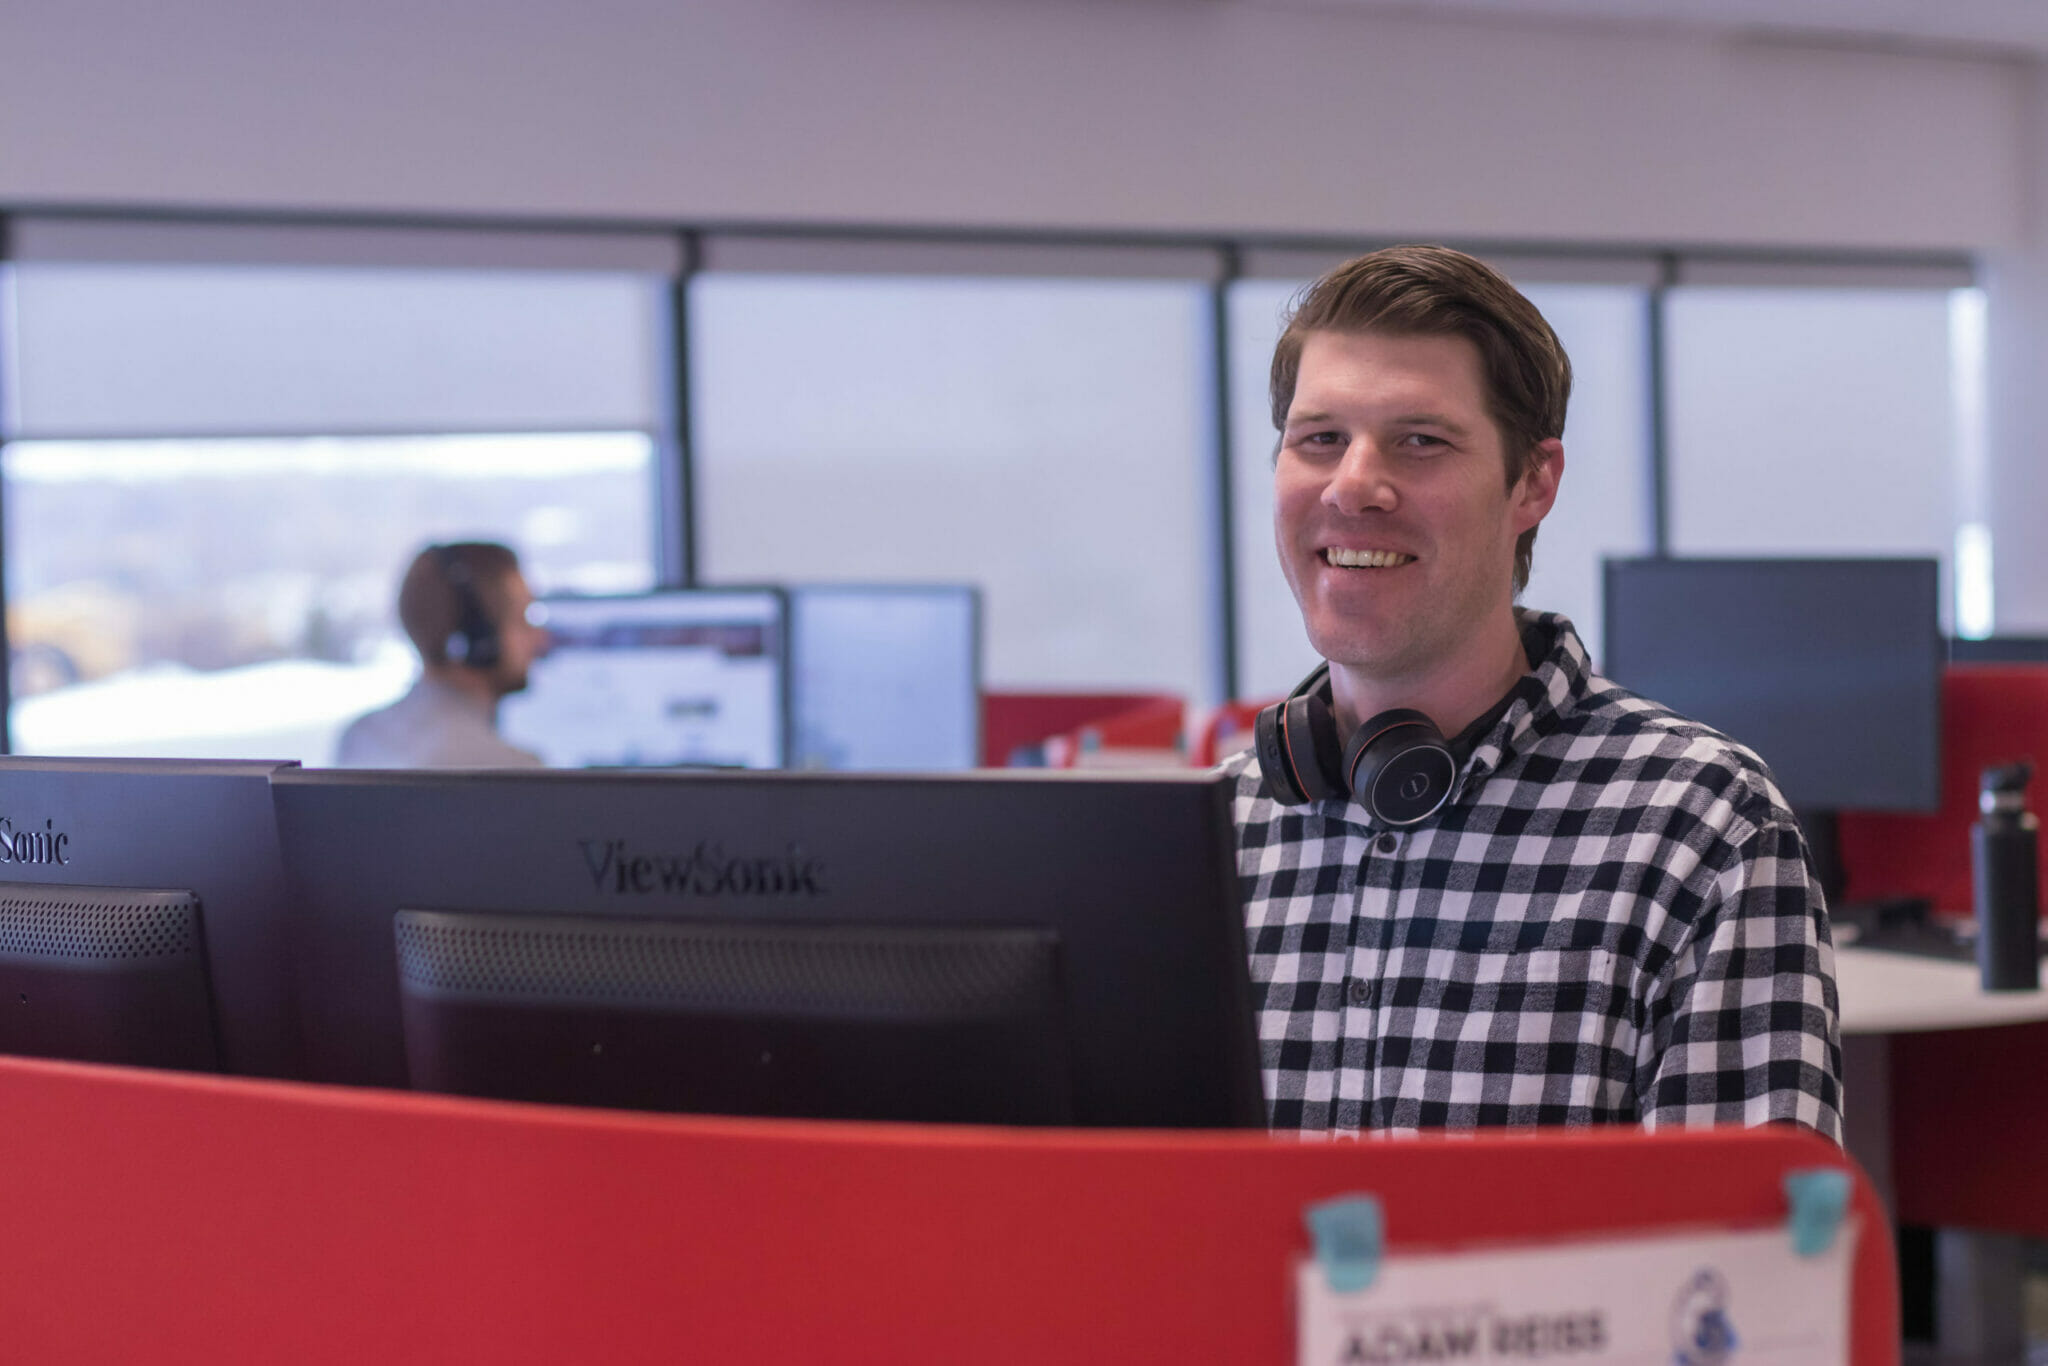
[1399,766]
[483,643]
[1309,730]
[1297,746]
[474,642]
[1276,775]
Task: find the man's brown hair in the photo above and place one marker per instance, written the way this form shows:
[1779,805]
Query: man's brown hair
[1431,291]
[430,603]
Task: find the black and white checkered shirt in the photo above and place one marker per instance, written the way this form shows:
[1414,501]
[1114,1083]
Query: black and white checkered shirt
[1612,920]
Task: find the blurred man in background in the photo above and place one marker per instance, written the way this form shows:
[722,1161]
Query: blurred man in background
[465,607]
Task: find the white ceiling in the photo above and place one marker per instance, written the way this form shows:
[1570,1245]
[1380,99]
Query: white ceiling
[1965,27]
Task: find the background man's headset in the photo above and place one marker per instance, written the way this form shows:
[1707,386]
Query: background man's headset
[474,643]
[1397,763]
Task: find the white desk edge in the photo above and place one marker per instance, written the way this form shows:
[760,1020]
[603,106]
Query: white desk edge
[1896,993]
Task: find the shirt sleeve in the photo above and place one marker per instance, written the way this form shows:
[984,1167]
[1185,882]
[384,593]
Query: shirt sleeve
[1753,1034]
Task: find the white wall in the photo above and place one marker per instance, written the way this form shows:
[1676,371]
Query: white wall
[1129,114]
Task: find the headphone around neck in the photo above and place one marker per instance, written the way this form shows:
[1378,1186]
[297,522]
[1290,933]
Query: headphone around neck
[474,643]
[1397,764]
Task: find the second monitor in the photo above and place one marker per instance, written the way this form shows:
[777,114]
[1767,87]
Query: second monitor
[861,677]
[885,677]
[683,678]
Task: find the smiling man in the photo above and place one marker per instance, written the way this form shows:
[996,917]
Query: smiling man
[1578,908]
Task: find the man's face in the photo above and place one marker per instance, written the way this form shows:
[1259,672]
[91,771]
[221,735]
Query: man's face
[520,642]
[1395,523]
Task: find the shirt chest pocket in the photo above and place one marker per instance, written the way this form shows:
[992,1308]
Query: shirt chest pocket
[1543,1034]
[1539,993]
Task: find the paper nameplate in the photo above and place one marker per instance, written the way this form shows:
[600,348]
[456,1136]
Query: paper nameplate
[1703,1299]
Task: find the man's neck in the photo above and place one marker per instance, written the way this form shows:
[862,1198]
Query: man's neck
[1454,693]
[472,683]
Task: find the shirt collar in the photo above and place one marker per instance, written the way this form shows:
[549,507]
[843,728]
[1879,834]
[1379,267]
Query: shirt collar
[1536,707]
[1539,699]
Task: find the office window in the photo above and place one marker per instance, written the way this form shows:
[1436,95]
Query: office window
[1047,439]
[1815,420]
[215,474]
[1603,506]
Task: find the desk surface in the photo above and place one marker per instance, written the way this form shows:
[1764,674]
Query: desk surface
[1896,993]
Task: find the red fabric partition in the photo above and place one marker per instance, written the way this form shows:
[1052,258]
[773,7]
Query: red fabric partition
[163,1217]
[1013,720]
[1968,1113]
[1990,714]
[1230,722]
[1151,733]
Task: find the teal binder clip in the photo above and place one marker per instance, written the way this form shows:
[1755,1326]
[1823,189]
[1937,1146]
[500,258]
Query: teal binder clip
[1349,1238]
[1820,1200]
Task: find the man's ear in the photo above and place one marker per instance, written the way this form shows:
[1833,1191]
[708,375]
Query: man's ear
[1533,494]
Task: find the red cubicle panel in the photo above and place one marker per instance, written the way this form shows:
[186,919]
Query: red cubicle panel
[1990,714]
[1012,721]
[162,1217]
[1226,730]
[1967,1113]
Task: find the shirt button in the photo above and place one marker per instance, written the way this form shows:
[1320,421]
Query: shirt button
[1361,993]
[1389,843]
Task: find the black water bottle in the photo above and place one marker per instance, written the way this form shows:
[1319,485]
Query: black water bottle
[2008,895]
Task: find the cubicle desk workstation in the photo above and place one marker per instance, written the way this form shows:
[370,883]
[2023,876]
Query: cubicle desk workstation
[173,1217]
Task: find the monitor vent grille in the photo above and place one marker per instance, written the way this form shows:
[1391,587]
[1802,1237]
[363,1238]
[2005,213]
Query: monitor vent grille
[795,969]
[96,924]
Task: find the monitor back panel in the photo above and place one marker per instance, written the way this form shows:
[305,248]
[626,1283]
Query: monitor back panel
[1830,669]
[925,1024]
[105,974]
[1136,876]
[105,859]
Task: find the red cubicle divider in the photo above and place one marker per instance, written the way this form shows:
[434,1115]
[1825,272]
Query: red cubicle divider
[166,1217]
[1227,730]
[1990,714]
[1966,1115]
[1012,721]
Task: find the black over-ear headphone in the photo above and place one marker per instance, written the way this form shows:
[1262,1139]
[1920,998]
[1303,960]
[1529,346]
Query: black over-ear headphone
[474,643]
[1397,763]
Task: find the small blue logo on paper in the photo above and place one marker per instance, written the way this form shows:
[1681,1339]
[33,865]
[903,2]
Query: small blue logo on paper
[1702,1333]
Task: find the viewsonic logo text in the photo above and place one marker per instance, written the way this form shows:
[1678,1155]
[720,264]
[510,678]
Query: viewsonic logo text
[706,871]
[46,845]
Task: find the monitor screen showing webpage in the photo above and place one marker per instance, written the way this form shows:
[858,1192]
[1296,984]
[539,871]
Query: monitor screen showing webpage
[885,676]
[682,678]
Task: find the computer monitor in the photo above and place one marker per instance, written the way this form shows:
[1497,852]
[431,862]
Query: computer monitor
[885,677]
[1830,669]
[682,677]
[142,915]
[996,947]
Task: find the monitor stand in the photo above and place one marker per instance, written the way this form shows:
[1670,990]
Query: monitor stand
[1824,845]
